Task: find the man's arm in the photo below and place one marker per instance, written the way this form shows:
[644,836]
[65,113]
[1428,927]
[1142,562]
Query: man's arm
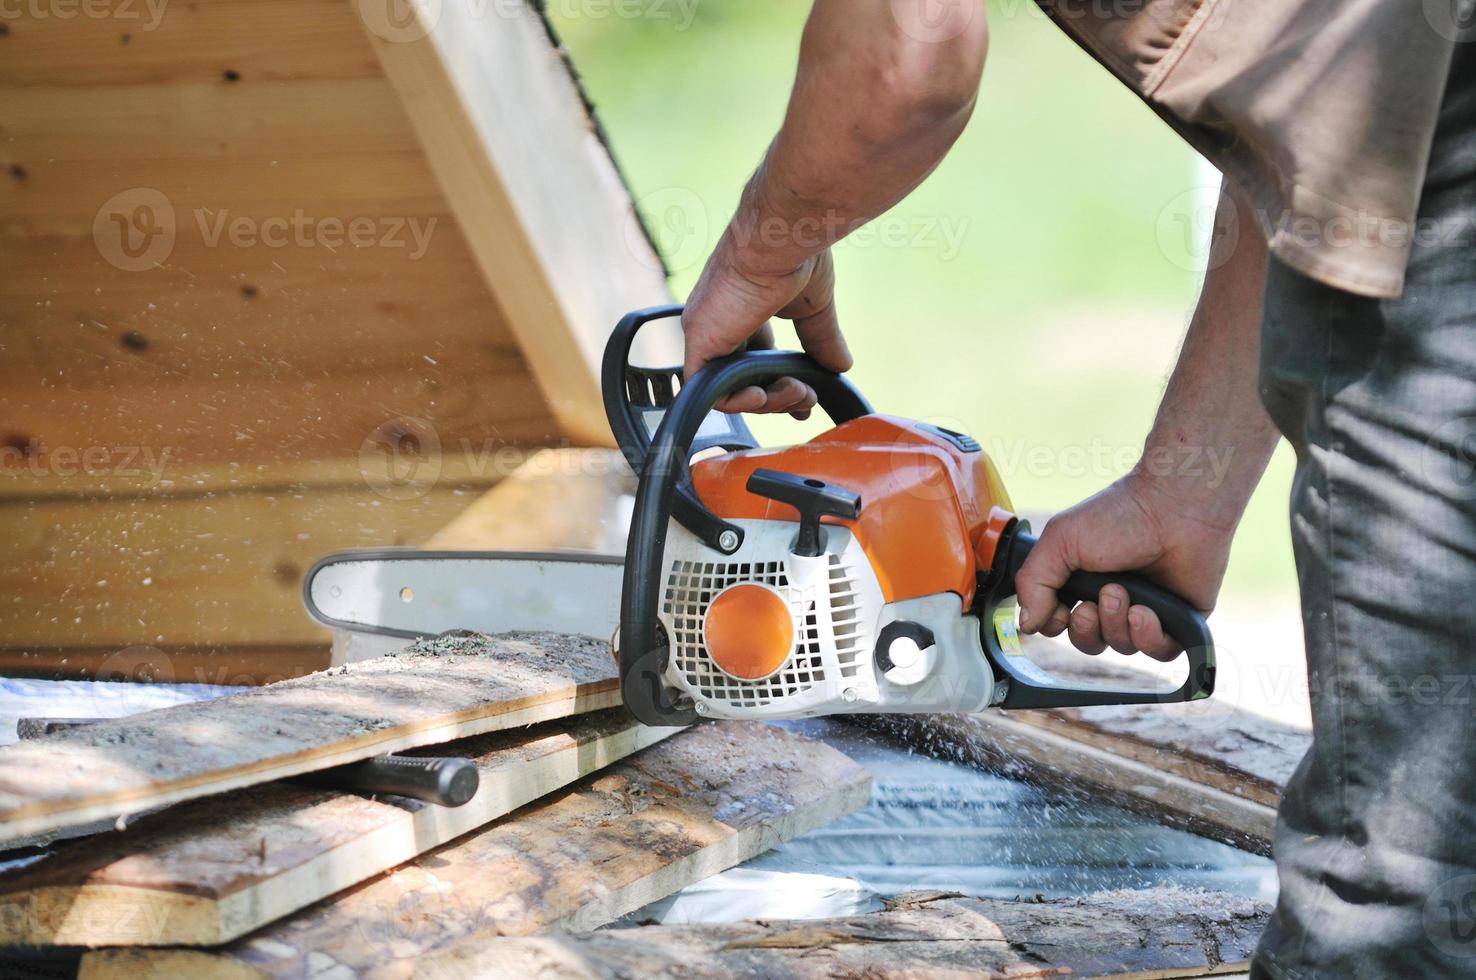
[880,96]
[1174,515]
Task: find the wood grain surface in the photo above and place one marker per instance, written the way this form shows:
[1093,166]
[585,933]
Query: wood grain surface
[210,870]
[698,803]
[436,691]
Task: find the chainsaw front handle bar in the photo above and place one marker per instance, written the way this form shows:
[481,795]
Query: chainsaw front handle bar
[1030,687]
[665,490]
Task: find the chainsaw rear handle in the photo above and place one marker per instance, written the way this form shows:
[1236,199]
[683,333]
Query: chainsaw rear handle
[665,491]
[1030,687]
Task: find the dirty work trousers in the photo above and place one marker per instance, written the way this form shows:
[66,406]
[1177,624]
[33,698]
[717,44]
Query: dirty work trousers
[1376,843]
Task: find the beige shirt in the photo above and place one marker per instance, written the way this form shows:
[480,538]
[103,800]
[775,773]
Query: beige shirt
[1323,111]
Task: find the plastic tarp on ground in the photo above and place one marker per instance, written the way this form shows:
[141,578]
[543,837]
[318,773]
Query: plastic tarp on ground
[938,825]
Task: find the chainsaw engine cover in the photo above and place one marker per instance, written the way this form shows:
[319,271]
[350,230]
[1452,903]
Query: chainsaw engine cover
[877,621]
[927,494]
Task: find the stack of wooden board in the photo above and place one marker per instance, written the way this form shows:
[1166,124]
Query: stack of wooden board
[280,880]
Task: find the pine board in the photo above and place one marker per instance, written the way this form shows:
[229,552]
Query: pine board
[1133,935]
[698,803]
[436,691]
[209,871]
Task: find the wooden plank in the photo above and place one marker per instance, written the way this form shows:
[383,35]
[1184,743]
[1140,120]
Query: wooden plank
[1214,767]
[233,353]
[235,665]
[1144,935]
[557,499]
[153,42]
[215,568]
[206,120]
[188,877]
[698,803]
[437,691]
[1072,758]
[469,473]
[542,205]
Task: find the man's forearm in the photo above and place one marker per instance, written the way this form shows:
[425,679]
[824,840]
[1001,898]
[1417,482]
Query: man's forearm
[875,108]
[1212,439]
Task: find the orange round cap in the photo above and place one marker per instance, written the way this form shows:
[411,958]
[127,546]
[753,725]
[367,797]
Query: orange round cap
[748,631]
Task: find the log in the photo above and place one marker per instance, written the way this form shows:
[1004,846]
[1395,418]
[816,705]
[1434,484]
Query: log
[698,803]
[436,691]
[1216,767]
[211,870]
[1157,933]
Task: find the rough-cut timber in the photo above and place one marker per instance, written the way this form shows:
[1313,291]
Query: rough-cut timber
[1157,933]
[1214,767]
[698,803]
[211,870]
[436,691]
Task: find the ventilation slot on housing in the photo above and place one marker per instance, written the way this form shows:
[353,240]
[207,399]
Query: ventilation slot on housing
[691,588]
[845,616]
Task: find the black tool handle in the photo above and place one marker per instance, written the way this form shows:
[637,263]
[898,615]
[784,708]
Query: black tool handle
[448,781]
[1029,687]
[813,499]
[637,396]
[665,480]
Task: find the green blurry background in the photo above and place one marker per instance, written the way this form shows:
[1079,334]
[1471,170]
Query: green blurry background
[1032,292]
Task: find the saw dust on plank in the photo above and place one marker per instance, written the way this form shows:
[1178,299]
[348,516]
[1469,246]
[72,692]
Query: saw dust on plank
[1158,933]
[211,870]
[1214,767]
[698,803]
[436,691]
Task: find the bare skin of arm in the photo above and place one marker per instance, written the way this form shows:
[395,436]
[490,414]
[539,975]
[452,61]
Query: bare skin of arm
[878,101]
[876,105]
[1171,521]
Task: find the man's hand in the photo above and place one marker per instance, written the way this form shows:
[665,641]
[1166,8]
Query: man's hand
[1173,517]
[878,99]
[727,311]
[1130,525]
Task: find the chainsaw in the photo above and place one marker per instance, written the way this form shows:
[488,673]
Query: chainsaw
[870,569]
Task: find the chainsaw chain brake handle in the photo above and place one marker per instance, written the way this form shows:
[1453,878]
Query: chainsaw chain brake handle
[1031,687]
[634,398]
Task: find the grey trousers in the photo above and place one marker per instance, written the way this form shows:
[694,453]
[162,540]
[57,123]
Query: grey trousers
[1376,843]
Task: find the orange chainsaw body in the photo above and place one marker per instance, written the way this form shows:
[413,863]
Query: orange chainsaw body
[928,496]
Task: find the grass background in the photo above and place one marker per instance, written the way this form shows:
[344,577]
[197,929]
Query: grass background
[1032,292]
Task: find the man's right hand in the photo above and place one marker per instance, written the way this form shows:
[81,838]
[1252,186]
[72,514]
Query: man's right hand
[729,310]
[1132,525]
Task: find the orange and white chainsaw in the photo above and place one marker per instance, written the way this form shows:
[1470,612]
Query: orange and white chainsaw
[870,569]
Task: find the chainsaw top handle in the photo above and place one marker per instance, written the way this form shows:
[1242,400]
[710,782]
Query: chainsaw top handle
[633,398]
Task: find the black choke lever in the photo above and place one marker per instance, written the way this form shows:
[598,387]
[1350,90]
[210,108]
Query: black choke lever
[813,499]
